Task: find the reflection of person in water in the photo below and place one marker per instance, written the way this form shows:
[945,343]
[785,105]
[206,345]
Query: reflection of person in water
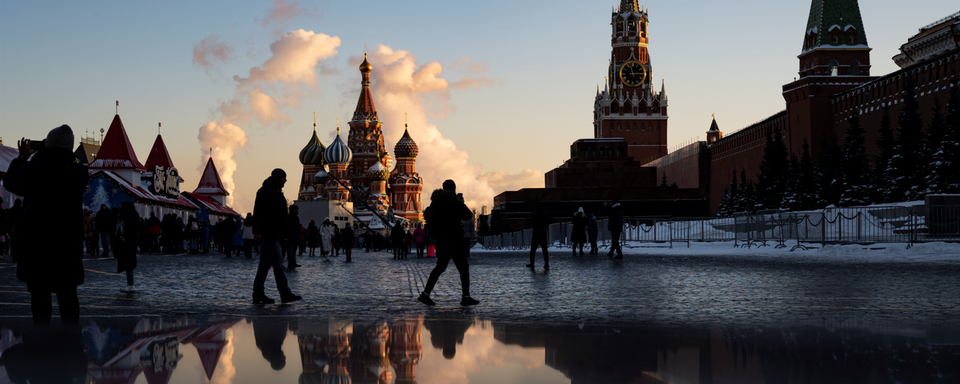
[446,334]
[31,361]
[269,336]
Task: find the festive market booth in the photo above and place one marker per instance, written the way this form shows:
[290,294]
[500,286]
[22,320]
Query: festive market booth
[210,196]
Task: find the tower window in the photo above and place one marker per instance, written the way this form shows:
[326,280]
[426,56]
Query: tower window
[834,67]
[618,127]
[634,128]
[854,68]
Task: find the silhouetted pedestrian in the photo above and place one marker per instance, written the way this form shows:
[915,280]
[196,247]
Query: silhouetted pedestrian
[396,236]
[593,229]
[270,216]
[468,233]
[293,237]
[615,225]
[444,215]
[313,237]
[419,239]
[248,236]
[579,234]
[128,226]
[347,237]
[45,236]
[539,238]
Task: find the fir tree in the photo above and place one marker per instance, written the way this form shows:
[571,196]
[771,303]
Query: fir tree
[808,180]
[774,169]
[728,206]
[935,135]
[885,143]
[663,180]
[723,210]
[791,197]
[945,173]
[855,168]
[829,175]
[905,176]
[746,199]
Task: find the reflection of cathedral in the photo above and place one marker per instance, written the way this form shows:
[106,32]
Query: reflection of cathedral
[365,165]
[340,351]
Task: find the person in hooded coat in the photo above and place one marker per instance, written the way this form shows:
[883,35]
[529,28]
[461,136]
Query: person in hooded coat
[593,229]
[443,216]
[48,258]
[313,237]
[326,237]
[615,225]
[270,217]
[579,234]
[128,226]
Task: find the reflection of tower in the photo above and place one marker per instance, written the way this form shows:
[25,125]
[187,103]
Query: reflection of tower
[405,182]
[210,343]
[311,156]
[338,156]
[366,137]
[337,349]
[405,348]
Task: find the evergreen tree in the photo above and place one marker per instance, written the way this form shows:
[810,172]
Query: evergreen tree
[905,168]
[746,199]
[855,167]
[791,197]
[945,174]
[724,210]
[829,175]
[936,132]
[663,180]
[885,143]
[807,188]
[774,170]
[728,206]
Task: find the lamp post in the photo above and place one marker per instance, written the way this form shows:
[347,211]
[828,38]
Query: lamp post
[321,178]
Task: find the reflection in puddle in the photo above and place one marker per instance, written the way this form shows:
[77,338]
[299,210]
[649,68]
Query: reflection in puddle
[155,350]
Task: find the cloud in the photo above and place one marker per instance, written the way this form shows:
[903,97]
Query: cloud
[283,12]
[479,351]
[401,85]
[211,50]
[502,181]
[261,96]
[225,139]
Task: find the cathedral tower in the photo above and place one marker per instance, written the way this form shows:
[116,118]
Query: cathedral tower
[338,157]
[365,138]
[405,182]
[629,106]
[311,156]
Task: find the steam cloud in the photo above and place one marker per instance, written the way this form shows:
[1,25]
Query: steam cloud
[283,12]
[211,50]
[279,82]
[401,85]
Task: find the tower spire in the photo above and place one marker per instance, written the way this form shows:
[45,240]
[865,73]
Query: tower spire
[338,126]
[315,121]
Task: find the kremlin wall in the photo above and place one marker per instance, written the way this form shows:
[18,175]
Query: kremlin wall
[627,158]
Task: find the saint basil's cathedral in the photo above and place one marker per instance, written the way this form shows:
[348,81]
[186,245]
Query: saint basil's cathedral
[365,166]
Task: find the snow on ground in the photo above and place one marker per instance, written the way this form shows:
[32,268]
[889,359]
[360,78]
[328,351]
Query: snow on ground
[886,253]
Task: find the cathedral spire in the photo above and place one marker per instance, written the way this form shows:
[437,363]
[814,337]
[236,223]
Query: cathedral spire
[365,109]
[629,6]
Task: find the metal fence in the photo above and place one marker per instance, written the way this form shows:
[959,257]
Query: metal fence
[854,225]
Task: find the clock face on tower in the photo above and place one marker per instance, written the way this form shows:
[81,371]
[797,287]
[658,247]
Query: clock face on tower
[632,73]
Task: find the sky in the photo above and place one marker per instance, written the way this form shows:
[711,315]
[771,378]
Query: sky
[495,91]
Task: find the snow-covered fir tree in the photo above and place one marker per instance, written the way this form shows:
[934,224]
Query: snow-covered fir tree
[728,206]
[905,170]
[855,169]
[829,175]
[945,166]
[774,170]
[808,180]
[885,144]
[791,197]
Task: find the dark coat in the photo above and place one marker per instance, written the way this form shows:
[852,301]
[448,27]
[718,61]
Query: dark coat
[444,215]
[615,219]
[540,224]
[49,231]
[270,211]
[128,227]
[346,236]
[293,228]
[593,229]
[313,236]
[579,234]
[396,234]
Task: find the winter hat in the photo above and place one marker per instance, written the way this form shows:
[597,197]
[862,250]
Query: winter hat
[60,137]
[313,221]
[278,173]
[580,210]
[450,185]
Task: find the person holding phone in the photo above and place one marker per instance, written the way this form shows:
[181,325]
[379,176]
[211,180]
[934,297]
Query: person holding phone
[48,258]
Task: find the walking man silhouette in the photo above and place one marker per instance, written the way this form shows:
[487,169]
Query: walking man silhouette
[443,217]
[270,217]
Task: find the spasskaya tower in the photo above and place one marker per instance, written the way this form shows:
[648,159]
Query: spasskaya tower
[629,106]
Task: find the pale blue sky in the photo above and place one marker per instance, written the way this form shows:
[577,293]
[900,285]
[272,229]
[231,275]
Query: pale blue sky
[66,62]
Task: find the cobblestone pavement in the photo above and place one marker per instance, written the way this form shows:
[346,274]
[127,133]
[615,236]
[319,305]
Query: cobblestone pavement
[642,289]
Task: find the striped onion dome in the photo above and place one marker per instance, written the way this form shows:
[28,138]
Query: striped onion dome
[337,152]
[378,172]
[406,147]
[312,154]
[337,378]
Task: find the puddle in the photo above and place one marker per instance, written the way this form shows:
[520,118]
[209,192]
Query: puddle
[152,350]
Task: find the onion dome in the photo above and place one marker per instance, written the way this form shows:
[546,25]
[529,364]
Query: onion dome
[406,147]
[378,172]
[365,65]
[337,152]
[337,378]
[312,154]
[387,161]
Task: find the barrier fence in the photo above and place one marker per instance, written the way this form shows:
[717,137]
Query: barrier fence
[853,225]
